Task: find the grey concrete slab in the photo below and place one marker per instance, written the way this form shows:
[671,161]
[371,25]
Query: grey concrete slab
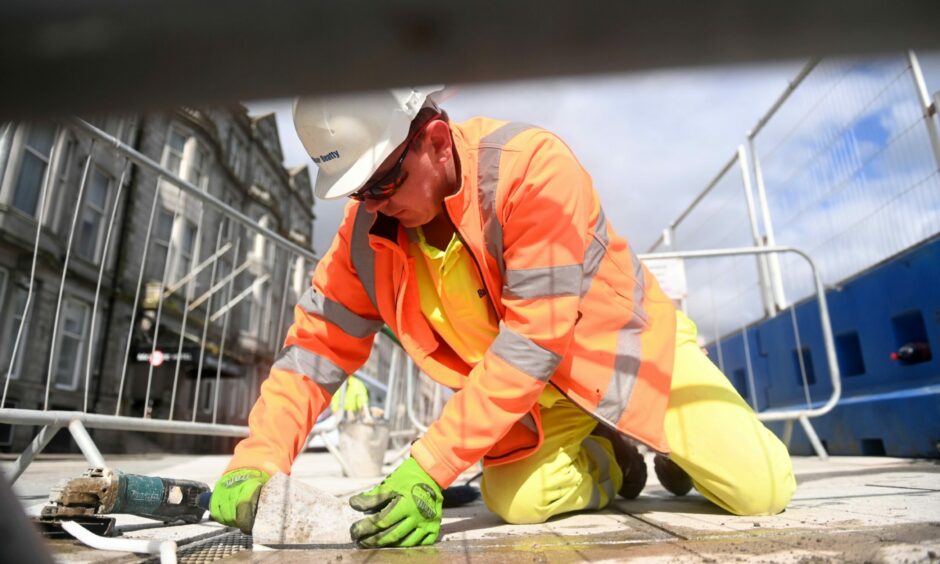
[840,493]
[845,509]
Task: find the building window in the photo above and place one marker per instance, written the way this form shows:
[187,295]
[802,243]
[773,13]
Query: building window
[247,398]
[6,429]
[90,232]
[173,151]
[236,155]
[207,395]
[3,281]
[16,304]
[223,264]
[162,233]
[268,331]
[219,298]
[64,169]
[8,349]
[262,177]
[185,157]
[187,244]
[263,249]
[73,333]
[247,308]
[33,166]
[199,169]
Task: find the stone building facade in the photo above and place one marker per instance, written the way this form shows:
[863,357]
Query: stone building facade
[227,289]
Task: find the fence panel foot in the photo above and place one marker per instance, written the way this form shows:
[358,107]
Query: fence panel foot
[814,438]
[787,433]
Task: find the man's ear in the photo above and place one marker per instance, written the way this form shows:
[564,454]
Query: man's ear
[437,133]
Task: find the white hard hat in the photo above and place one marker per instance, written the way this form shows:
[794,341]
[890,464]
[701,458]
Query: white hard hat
[348,137]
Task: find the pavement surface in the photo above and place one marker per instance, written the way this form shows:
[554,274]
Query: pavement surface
[846,509]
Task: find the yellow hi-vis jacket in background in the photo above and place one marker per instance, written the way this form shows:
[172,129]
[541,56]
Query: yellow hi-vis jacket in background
[355,399]
[576,309]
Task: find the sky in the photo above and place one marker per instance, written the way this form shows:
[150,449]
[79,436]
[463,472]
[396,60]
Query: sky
[651,141]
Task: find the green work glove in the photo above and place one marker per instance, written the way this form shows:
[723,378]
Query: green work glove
[235,498]
[405,510]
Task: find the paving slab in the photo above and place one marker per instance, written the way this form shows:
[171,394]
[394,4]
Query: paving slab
[292,512]
[845,492]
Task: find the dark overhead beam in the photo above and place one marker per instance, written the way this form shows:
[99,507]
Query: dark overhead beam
[67,56]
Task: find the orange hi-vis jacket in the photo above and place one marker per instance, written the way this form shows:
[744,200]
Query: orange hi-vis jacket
[577,309]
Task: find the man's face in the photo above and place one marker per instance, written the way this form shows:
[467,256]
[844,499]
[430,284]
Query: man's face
[420,196]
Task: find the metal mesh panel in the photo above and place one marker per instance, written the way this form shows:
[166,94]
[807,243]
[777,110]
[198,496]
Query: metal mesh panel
[844,169]
[848,168]
[211,550]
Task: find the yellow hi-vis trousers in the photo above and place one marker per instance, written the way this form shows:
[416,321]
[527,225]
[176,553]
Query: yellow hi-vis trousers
[733,459]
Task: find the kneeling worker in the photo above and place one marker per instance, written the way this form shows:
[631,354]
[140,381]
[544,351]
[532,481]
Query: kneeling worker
[484,247]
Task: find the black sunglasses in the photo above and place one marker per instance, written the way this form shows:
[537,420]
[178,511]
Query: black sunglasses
[385,186]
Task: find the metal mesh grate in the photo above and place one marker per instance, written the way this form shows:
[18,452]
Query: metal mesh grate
[211,550]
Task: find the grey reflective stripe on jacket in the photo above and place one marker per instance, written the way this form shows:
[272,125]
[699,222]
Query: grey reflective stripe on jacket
[567,280]
[336,313]
[557,281]
[316,367]
[547,282]
[629,349]
[491,150]
[361,253]
[595,252]
[524,354]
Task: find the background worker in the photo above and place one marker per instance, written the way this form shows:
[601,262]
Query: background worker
[354,399]
[485,249]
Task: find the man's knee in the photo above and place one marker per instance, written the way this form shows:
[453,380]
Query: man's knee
[768,494]
[514,503]
[520,513]
[767,502]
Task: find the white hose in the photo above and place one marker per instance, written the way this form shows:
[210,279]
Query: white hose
[165,548]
